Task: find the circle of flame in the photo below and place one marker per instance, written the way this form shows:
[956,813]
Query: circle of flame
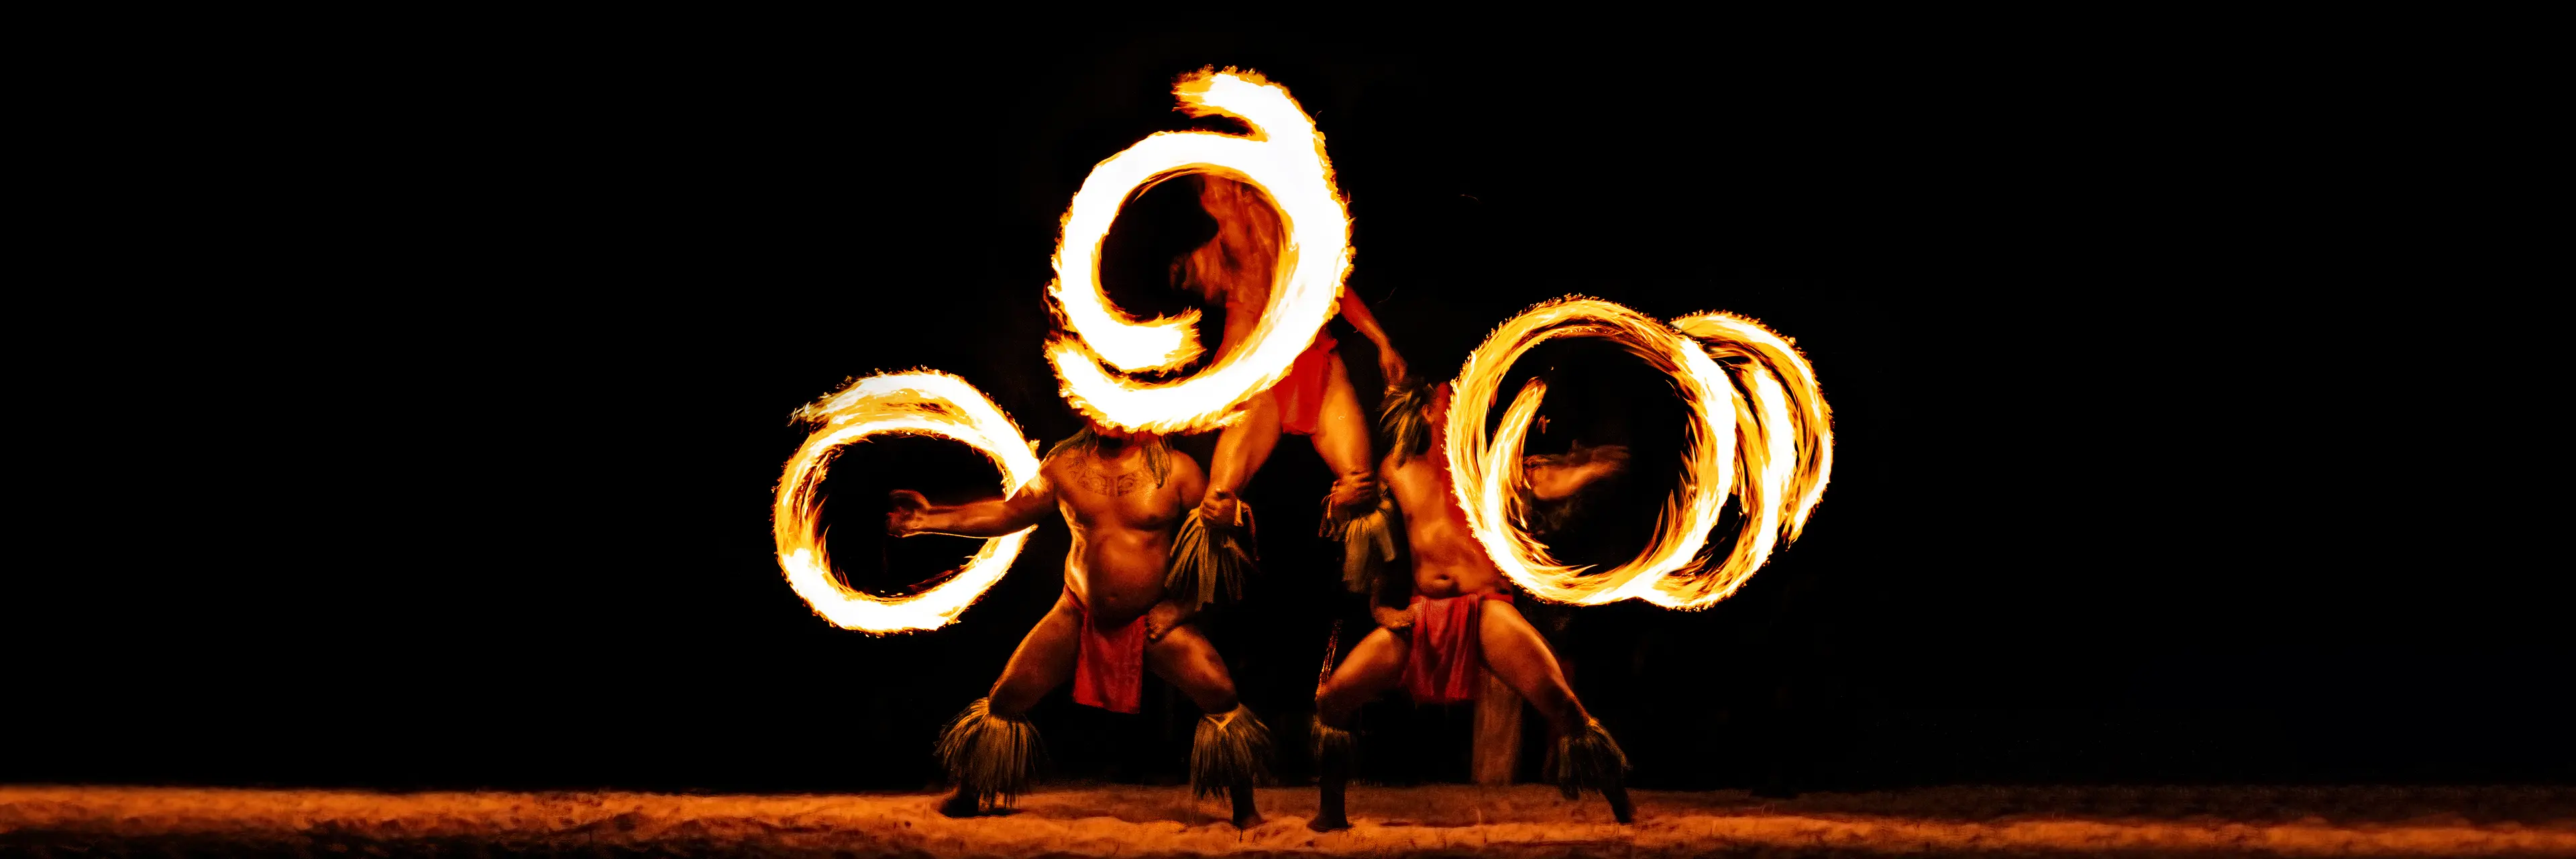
[1757,430]
[1284,158]
[1795,459]
[917,403]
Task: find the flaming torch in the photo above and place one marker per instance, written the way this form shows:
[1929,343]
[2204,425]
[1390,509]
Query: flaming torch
[1758,431]
[918,403]
[1284,157]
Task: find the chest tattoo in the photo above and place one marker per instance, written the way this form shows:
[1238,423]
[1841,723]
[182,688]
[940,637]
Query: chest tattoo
[1111,484]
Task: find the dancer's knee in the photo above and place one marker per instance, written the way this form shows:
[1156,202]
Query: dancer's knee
[1331,706]
[1554,701]
[1012,699]
[1217,697]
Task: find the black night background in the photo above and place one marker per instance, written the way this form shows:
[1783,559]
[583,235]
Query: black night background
[436,445]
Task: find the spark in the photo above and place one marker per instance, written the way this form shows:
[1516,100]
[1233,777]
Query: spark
[925,403]
[1283,157]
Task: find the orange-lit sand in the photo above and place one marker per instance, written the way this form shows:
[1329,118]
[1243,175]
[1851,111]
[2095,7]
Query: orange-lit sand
[1155,821]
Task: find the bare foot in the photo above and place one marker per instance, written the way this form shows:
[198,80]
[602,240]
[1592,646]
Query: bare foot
[1620,808]
[960,805]
[1245,816]
[1329,823]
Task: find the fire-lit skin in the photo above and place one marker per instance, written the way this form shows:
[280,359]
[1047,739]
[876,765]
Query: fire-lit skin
[1122,525]
[1556,478]
[1342,430]
[1448,562]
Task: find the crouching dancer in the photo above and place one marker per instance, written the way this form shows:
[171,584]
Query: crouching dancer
[1460,618]
[1123,496]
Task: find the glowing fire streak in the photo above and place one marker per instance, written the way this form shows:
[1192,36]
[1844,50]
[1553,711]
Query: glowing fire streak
[918,403]
[1284,157]
[1776,370]
[1773,456]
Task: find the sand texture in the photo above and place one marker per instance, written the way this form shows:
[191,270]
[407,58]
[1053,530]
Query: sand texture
[1128,821]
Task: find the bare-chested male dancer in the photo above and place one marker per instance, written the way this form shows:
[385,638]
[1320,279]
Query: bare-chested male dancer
[1460,618]
[1123,496]
[1237,268]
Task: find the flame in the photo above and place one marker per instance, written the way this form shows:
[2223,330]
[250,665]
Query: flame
[917,403]
[1794,417]
[1284,158]
[1757,430]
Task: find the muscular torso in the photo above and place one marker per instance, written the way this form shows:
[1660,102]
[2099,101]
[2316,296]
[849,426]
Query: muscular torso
[1122,528]
[1446,560]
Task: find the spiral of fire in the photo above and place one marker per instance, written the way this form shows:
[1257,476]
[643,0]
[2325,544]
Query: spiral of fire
[917,403]
[1758,431]
[1284,158]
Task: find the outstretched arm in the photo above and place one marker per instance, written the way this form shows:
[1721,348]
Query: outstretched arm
[991,517]
[1389,362]
[1554,478]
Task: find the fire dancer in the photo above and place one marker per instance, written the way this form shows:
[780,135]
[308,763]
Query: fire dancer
[1237,269]
[1459,617]
[1124,497]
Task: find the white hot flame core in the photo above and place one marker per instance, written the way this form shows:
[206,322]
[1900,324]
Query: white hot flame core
[918,403]
[1284,158]
[1801,429]
[1757,431]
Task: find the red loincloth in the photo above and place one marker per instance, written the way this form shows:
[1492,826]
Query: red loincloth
[1109,668]
[1446,657]
[1301,392]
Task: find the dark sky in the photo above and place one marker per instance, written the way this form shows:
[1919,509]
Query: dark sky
[444,455]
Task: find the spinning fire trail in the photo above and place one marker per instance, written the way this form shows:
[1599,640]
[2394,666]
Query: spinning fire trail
[1284,158]
[1759,429]
[924,403]
[1759,432]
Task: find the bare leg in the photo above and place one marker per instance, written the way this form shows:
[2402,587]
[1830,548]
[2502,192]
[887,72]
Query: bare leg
[1515,653]
[1185,659]
[1240,451]
[1375,665]
[1342,439]
[1043,661]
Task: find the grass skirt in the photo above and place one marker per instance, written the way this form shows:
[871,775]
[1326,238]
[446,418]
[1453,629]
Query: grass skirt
[1368,543]
[1334,744]
[1228,750]
[989,756]
[1588,758]
[1211,562]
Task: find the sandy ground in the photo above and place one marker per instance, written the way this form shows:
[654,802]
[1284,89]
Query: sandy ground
[1129,821]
